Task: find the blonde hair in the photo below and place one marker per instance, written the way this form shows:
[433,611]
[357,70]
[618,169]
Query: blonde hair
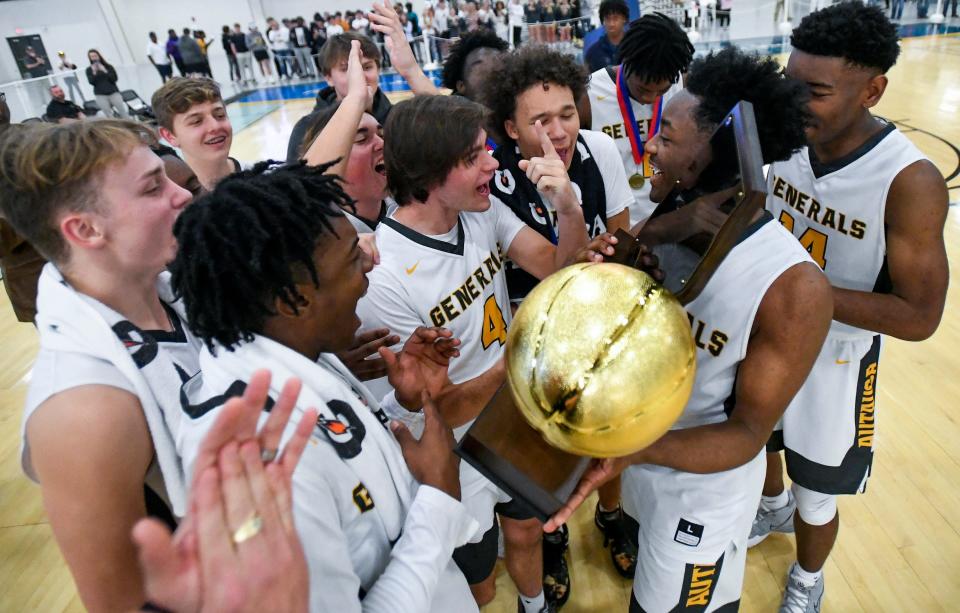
[46,170]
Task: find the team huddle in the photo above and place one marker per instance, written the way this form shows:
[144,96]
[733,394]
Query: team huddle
[374,275]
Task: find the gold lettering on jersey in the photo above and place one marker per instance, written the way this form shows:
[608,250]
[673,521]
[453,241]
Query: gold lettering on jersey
[461,298]
[701,585]
[866,424]
[811,208]
[712,341]
[617,130]
[361,498]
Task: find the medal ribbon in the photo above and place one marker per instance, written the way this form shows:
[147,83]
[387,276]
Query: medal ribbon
[630,120]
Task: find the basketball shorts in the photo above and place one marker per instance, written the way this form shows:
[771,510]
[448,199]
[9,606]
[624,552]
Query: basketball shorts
[693,535]
[829,428]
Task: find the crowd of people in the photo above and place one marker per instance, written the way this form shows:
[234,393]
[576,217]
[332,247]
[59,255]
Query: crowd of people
[374,274]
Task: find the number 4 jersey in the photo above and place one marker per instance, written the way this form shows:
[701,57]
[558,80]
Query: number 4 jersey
[456,281]
[837,210]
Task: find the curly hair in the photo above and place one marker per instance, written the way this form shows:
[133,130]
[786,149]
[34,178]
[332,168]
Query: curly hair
[860,34]
[723,78]
[241,247]
[655,48]
[529,66]
[482,38]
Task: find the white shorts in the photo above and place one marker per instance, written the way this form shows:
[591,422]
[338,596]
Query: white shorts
[829,428]
[693,535]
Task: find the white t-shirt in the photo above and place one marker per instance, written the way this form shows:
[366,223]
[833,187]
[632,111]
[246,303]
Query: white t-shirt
[516,14]
[158,53]
[279,39]
[333,29]
[441,18]
[360,23]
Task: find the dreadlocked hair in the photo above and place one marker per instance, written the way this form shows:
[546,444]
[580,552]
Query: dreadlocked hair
[243,245]
[482,38]
[527,67]
[655,48]
[860,34]
[723,78]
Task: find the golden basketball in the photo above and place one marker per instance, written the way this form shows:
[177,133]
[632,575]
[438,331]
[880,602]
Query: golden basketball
[600,359]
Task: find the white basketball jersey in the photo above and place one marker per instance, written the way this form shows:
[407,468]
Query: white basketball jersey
[459,285]
[722,316]
[607,118]
[839,215]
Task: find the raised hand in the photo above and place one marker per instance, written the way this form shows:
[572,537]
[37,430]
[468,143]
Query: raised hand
[549,174]
[385,20]
[363,358]
[421,366]
[357,85]
[431,459]
[237,549]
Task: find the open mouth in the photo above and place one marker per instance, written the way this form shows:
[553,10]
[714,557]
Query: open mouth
[484,190]
[380,168]
[216,140]
[563,153]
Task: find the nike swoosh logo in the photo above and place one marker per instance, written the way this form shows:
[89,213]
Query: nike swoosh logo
[842,362]
[412,268]
[601,97]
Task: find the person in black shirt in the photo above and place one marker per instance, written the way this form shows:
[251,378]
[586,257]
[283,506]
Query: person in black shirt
[103,77]
[227,43]
[61,110]
[238,44]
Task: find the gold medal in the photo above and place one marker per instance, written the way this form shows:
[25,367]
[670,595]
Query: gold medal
[636,180]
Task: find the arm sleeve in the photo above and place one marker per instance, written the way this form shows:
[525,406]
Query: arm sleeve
[112,74]
[89,72]
[618,192]
[506,223]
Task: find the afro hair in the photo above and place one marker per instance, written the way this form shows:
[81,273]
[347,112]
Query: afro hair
[860,34]
[655,48]
[723,78]
[529,66]
[482,38]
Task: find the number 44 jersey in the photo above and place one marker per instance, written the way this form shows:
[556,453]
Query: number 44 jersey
[837,210]
[455,280]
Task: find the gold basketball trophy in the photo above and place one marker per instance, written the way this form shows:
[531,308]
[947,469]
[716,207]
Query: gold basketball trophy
[600,358]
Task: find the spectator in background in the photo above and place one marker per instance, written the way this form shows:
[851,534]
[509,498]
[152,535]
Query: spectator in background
[413,19]
[102,76]
[61,110]
[614,15]
[158,56]
[258,45]
[193,57]
[238,43]
[279,38]
[173,50]
[35,65]
[500,21]
[71,80]
[302,41]
[723,13]
[360,24]
[516,12]
[318,30]
[227,42]
[201,37]
[334,27]
[531,14]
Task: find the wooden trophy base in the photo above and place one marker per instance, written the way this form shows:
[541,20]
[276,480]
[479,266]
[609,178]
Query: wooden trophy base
[504,448]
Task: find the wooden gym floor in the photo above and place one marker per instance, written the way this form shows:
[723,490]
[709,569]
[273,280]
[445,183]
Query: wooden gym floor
[899,545]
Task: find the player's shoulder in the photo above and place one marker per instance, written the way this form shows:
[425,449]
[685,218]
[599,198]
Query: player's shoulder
[601,146]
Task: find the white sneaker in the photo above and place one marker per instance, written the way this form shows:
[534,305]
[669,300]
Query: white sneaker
[799,598]
[777,520]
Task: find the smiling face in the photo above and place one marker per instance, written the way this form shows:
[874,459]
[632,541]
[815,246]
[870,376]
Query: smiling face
[839,93]
[680,150]
[366,179]
[203,132]
[467,187]
[553,105]
[133,221]
[330,316]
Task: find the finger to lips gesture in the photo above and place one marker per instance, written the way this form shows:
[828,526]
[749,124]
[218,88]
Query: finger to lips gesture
[549,173]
